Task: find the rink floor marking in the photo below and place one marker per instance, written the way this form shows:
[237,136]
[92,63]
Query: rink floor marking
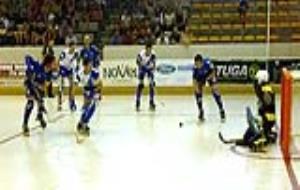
[20,134]
[15,136]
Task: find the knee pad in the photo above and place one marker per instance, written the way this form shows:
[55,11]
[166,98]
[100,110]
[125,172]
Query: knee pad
[152,84]
[141,86]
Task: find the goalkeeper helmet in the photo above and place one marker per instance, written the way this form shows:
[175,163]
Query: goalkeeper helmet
[262,76]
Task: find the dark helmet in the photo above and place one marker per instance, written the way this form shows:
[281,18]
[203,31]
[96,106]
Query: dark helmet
[198,57]
[149,44]
[86,62]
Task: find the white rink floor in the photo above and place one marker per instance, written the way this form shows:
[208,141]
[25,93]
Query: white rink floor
[136,151]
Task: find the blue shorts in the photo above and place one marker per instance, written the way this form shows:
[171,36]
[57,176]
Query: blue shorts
[65,72]
[145,72]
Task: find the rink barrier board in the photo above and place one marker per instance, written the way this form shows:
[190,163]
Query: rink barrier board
[230,89]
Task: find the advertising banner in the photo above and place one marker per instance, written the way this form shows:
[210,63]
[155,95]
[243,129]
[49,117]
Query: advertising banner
[169,72]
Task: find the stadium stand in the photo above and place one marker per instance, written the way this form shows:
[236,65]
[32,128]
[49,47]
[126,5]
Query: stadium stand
[219,21]
[137,21]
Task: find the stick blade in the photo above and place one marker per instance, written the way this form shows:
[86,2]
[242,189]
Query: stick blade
[226,141]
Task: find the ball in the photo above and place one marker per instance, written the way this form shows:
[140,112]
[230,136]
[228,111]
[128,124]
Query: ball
[180,124]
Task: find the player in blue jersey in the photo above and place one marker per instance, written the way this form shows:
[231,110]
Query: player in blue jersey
[36,77]
[68,63]
[146,62]
[92,85]
[203,72]
[90,52]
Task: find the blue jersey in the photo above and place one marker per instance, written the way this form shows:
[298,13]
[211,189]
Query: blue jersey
[91,54]
[34,73]
[201,74]
[90,82]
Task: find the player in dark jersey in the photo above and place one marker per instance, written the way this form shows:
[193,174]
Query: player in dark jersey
[203,72]
[261,130]
[36,77]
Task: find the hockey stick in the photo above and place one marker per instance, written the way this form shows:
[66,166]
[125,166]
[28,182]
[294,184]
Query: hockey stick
[227,141]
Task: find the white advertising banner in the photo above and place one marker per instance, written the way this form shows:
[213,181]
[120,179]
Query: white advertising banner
[169,72]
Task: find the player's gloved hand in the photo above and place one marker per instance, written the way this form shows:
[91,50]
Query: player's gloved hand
[150,67]
[98,96]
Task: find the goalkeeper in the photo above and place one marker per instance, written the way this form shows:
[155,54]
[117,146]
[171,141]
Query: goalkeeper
[261,130]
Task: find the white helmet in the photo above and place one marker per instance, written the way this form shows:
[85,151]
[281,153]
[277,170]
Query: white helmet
[262,76]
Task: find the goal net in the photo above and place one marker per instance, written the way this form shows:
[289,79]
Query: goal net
[290,112]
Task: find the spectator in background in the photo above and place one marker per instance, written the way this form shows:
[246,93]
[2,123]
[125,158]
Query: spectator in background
[2,33]
[23,34]
[5,21]
[185,7]
[127,38]
[63,31]
[95,11]
[4,28]
[185,38]
[242,9]
[180,21]
[31,19]
[175,36]
[169,20]
[116,38]
[143,33]
[50,34]
[20,34]
[150,9]
[169,30]
[126,19]
[71,37]
[68,8]
[37,32]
